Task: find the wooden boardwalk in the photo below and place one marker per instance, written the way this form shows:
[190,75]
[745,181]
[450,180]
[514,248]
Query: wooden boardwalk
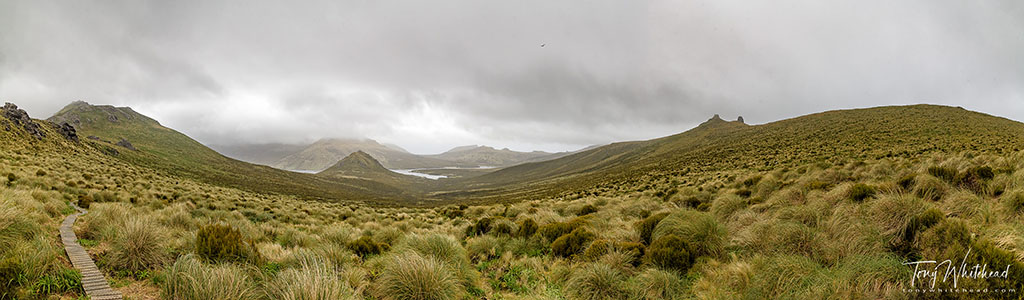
[96,286]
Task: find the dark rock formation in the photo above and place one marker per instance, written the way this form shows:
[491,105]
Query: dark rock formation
[740,119]
[20,118]
[93,137]
[67,131]
[126,144]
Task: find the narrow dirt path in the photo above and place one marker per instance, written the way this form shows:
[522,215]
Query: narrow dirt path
[96,286]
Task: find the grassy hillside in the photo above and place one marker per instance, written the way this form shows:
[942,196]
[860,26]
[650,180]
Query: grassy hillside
[165,150]
[834,136]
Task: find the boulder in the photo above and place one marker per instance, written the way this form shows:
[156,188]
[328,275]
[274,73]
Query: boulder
[126,144]
[20,118]
[67,131]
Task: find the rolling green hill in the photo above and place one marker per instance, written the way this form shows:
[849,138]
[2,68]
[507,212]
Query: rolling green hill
[166,150]
[833,136]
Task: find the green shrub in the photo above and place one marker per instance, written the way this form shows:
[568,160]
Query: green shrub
[554,230]
[646,227]
[190,279]
[84,201]
[586,210]
[571,244]
[670,252]
[221,242]
[409,275]
[365,246]
[138,246]
[480,227]
[597,281]
[859,192]
[40,173]
[706,237]
[947,174]
[527,228]
[598,248]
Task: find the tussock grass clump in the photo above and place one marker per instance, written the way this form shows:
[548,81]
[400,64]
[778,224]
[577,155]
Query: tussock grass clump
[597,281]
[482,247]
[571,244]
[503,227]
[726,205]
[190,279]
[444,249]
[409,275]
[947,174]
[859,192]
[1014,203]
[962,204]
[138,246]
[646,226]
[929,187]
[314,278]
[906,182]
[104,219]
[702,232]
[659,284]
[601,247]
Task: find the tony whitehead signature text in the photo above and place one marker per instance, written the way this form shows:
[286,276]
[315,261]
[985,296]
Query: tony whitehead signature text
[930,270]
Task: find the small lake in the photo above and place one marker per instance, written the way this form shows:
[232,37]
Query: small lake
[434,177]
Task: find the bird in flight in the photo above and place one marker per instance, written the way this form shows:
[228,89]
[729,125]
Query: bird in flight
[542,45]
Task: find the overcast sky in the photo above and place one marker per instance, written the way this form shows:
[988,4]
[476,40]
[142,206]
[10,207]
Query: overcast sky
[524,74]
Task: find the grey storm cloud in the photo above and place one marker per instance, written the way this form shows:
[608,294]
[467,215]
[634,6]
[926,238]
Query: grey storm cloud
[549,75]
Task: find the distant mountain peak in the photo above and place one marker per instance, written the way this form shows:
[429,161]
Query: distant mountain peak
[80,111]
[358,162]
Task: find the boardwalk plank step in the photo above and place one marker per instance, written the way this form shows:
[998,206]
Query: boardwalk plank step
[93,281]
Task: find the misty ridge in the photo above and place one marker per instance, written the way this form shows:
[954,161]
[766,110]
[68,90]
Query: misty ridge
[511,150]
